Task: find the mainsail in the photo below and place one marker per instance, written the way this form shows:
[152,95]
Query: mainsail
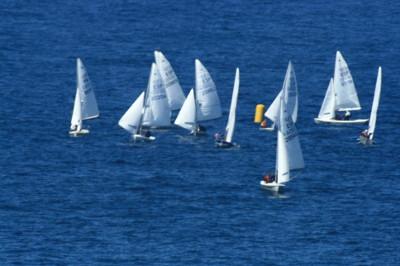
[207,100]
[346,94]
[375,104]
[170,81]
[230,127]
[85,88]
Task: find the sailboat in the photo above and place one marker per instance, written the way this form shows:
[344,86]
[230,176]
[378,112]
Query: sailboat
[201,104]
[226,142]
[289,84]
[341,96]
[150,109]
[367,136]
[85,104]
[170,81]
[289,155]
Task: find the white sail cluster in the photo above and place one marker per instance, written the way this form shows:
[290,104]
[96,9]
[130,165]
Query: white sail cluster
[155,105]
[202,103]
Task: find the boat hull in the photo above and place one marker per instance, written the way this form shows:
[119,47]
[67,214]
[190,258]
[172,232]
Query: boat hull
[364,140]
[267,128]
[224,144]
[340,122]
[81,132]
[138,137]
[271,186]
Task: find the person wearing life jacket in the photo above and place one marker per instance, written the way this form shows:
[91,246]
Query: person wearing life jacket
[365,134]
[264,123]
[200,129]
[347,115]
[269,178]
[218,137]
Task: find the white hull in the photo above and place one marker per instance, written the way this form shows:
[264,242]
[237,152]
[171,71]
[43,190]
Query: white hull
[365,141]
[225,145]
[138,137]
[340,122]
[267,128]
[82,132]
[271,186]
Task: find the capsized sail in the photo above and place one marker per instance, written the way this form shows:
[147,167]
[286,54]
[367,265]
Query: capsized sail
[170,81]
[345,90]
[89,104]
[230,127]
[207,100]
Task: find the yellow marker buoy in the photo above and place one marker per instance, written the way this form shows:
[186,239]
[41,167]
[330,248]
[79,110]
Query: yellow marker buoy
[259,114]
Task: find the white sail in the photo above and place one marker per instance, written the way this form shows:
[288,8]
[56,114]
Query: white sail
[157,112]
[272,112]
[230,127]
[282,163]
[187,115]
[88,99]
[207,100]
[76,119]
[346,94]
[328,105]
[170,81]
[131,120]
[375,104]
[291,97]
[292,143]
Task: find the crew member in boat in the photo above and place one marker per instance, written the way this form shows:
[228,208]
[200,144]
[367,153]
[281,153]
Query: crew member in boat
[269,178]
[200,129]
[147,134]
[346,116]
[264,123]
[74,128]
[218,137]
[365,134]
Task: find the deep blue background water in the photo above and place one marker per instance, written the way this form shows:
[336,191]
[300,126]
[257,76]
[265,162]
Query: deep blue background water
[100,200]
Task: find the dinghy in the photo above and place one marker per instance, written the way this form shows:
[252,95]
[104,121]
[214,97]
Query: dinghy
[85,104]
[341,96]
[150,109]
[202,103]
[289,155]
[289,84]
[367,136]
[226,142]
[170,81]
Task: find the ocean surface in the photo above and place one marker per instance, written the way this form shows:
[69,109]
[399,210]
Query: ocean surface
[102,200]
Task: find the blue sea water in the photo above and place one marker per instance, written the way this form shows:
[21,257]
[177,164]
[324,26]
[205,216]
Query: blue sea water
[100,200]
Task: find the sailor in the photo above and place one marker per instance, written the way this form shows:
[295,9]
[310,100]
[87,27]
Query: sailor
[269,178]
[264,123]
[347,115]
[200,129]
[365,134]
[218,137]
[147,133]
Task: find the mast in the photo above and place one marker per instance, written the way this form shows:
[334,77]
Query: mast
[146,95]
